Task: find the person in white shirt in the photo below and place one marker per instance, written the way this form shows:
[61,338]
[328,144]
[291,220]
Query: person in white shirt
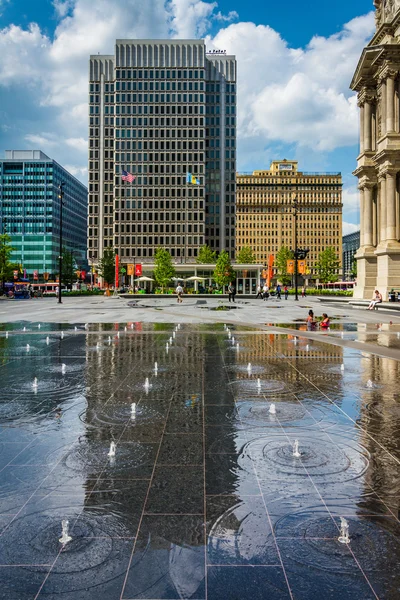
[376,300]
[179,293]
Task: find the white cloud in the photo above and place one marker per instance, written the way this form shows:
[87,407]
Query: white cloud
[350,228]
[296,96]
[78,144]
[62,7]
[190,18]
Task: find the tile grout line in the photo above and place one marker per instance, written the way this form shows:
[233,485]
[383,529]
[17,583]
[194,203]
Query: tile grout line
[263,500]
[145,501]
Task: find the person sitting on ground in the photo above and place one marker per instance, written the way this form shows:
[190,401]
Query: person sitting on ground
[376,300]
[310,320]
[325,321]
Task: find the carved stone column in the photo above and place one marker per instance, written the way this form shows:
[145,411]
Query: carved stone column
[391,205]
[361,216]
[382,207]
[368,124]
[368,216]
[390,101]
[361,106]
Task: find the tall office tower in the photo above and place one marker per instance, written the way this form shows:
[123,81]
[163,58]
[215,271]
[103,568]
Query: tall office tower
[265,217]
[30,211]
[160,109]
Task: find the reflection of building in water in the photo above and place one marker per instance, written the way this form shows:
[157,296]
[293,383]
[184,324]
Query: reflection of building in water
[384,334]
[380,427]
[310,357]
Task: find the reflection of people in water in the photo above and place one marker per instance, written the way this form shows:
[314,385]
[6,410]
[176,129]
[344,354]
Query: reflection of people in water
[325,321]
[58,412]
[311,323]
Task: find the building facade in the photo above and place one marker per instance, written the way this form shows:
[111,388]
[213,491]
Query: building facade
[265,216]
[378,165]
[350,244]
[30,211]
[160,109]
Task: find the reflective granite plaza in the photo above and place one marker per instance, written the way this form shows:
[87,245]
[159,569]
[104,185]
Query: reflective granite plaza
[204,498]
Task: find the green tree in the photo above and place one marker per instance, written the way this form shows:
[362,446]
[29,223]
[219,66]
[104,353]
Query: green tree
[206,256]
[245,256]
[6,266]
[164,270]
[107,266]
[327,265]
[68,267]
[353,272]
[224,273]
[281,260]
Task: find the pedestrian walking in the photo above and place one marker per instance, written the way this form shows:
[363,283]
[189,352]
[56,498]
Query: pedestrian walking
[278,291]
[259,292]
[286,291]
[231,292]
[303,292]
[179,293]
[265,292]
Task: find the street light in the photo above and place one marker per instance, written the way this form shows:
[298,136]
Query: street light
[295,211]
[61,197]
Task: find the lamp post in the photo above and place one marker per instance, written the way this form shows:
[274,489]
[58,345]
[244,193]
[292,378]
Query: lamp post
[61,197]
[295,211]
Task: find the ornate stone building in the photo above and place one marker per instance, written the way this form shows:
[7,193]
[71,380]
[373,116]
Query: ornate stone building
[377,82]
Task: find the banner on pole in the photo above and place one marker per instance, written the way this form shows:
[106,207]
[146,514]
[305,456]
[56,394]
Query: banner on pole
[138,270]
[35,275]
[130,270]
[116,271]
[290,267]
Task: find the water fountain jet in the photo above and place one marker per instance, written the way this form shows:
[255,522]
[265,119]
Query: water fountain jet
[35,383]
[47,340]
[112,450]
[133,410]
[344,537]
[272,409]
[6,335]
[249,368]
[342,367]
[155,368]
[39,326]
[259,384]
[65,538]
[28,347]
[370,384]
[63,368]
[296,452]
[62,335]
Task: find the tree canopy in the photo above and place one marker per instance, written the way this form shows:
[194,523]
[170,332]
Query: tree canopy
[69,267]
[246,256]
[327,265]
[6,266]
[206,256]
[107,266]
[281,260]
[164,270]
[224,273]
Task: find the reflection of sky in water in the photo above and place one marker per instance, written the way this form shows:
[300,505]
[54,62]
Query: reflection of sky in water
[202,437]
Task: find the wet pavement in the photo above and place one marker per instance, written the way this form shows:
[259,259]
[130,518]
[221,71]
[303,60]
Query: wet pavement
[204,498]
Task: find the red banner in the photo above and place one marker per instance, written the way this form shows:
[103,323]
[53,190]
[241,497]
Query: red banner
[83,274]
[138,270]
[116,271]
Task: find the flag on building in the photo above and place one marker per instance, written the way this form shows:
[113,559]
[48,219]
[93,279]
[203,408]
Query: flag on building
[192,179]
[126,176]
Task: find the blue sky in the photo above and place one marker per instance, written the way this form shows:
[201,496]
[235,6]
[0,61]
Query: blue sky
[295,63]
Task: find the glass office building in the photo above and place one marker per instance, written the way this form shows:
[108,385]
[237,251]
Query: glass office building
[160,109]
[30,211]
[351,244]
